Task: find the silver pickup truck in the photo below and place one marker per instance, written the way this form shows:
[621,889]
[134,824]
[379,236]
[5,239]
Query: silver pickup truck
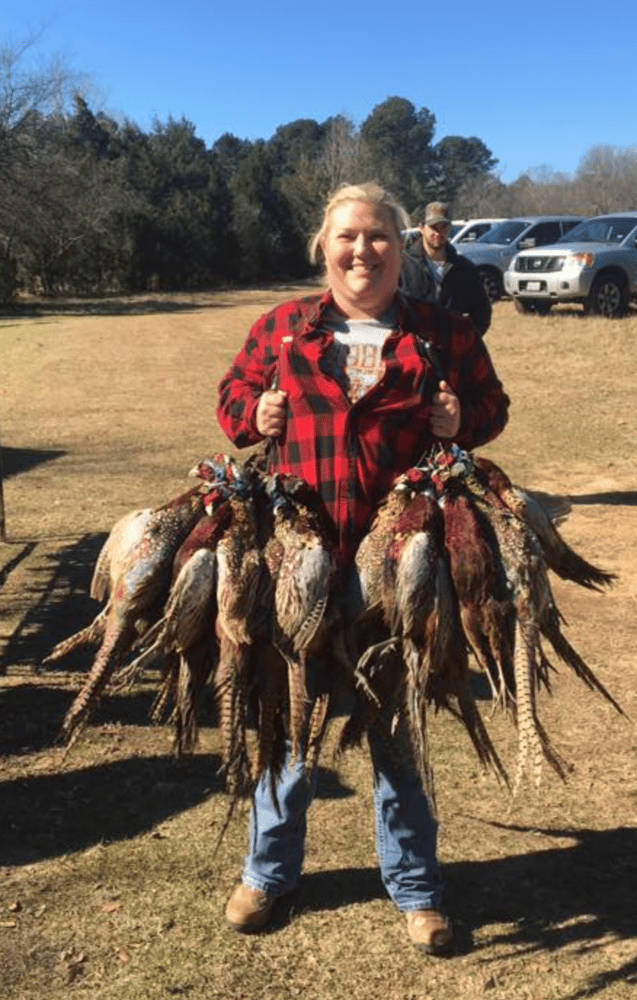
[594,264]
[493,252]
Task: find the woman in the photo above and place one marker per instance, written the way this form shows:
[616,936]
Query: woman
[356,403]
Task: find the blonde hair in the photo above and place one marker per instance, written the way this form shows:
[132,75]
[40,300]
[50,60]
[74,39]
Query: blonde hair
[369,192]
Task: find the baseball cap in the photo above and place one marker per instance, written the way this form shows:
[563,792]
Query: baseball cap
[435,212]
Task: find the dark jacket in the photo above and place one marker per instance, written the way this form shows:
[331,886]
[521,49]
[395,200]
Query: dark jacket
[461,291]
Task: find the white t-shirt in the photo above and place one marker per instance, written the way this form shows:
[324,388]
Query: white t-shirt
[438,269]
[355,359]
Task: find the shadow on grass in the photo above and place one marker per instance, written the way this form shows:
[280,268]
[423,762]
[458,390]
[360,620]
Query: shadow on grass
[15,460]
[55,603]
[108,306]
[44,816]
[141,303]
[47,815]
[15,561]
[567,896]
[578,893]
[53,814]
[572,895]
[615,498]
[31,715]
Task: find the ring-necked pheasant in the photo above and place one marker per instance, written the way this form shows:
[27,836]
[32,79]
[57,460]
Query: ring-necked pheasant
[138,592]
[124,536]
[242,618]
[185,635]
[535,512]
[303,570]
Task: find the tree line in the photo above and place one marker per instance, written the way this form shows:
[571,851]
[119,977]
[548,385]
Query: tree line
[90,205]
[605,181]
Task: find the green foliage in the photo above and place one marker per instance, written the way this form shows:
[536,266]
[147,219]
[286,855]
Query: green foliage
[89,205]
[460,161]
[399,140]
[178,226]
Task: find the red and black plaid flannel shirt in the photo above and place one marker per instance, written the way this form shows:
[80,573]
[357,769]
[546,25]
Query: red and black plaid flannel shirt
[352,452]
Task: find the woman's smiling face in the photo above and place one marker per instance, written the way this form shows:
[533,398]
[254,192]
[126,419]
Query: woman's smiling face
[362,250]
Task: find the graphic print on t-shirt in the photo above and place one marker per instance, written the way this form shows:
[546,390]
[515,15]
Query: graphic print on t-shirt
[356,359]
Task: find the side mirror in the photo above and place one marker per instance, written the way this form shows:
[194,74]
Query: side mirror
[527,243]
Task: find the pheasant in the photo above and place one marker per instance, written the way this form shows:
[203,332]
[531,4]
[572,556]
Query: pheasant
[450,676]
[517,551]
[489,590]
[190,637]
[523,560]
[536,615]
[184,635]
[139,591]
[485,609]
[303,568]
[371,578]
[401,572]
[124,536]
[560,557]
[242,618]
[385,607]
[409,602]
[242,582]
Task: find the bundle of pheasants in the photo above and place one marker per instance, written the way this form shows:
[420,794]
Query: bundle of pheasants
[236,585]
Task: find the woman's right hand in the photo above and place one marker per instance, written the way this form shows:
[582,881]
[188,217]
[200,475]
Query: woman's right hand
[271,416]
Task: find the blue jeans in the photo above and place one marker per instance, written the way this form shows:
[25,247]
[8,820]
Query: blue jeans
[406,832]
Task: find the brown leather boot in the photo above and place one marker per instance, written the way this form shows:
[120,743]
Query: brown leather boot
[431,931]
[249,910]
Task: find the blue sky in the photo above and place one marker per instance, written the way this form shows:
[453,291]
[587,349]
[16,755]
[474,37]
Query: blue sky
[539,83]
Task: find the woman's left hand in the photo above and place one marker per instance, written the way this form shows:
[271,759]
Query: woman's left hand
[445,412]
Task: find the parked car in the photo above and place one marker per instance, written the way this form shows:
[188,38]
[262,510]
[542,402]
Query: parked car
[456,226]
[594,264]
[493,252]
[469,232]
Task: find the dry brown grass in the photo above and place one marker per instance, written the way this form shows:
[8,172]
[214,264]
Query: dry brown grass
[108,885]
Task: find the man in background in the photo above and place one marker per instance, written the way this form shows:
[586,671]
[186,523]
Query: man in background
[434,271]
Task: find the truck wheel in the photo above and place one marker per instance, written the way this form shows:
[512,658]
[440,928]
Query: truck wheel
[607,297]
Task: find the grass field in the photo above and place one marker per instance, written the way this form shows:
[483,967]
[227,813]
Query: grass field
[109,886]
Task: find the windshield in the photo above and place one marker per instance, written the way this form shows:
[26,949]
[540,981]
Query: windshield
[607,230]
[504,232]
[455,228]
